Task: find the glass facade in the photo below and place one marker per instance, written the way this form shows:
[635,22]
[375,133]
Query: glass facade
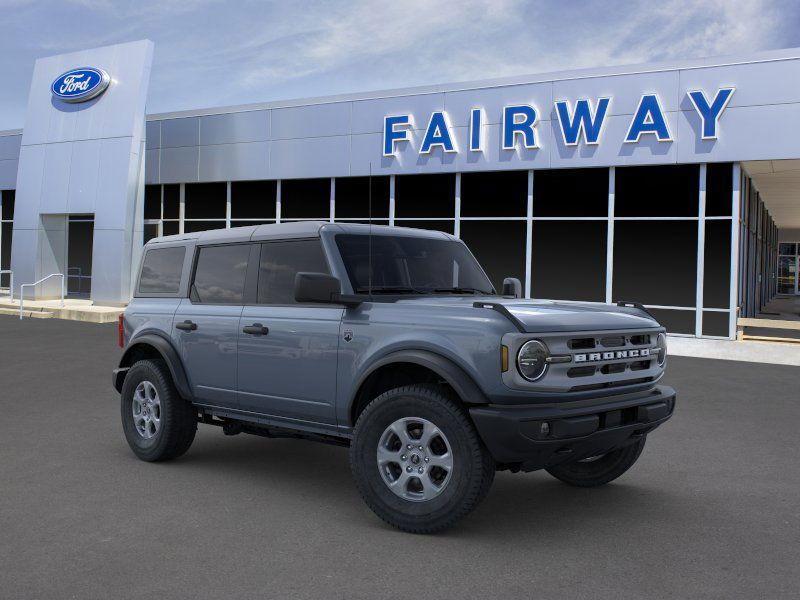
[660,235]
[6,231]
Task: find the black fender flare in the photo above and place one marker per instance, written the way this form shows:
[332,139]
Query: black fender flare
[461,382]
[168,353]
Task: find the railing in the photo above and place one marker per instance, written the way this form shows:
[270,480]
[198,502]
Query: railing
[10,282]
[35,283]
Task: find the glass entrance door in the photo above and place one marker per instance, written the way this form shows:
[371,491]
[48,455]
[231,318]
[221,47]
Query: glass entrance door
[787,275]
[80,234]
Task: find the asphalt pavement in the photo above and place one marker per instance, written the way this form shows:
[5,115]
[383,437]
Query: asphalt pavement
[711,510]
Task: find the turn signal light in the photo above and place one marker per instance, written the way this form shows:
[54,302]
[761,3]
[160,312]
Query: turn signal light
[504,358]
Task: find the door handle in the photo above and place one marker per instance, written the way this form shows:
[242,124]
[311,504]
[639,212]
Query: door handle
[186,326]
[255,329]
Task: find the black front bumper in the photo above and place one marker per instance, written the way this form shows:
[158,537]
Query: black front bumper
[536,436]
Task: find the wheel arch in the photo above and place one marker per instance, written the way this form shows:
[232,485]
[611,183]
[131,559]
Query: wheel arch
[381,377]
[153,345]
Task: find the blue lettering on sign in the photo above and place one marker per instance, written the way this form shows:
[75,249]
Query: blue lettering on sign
[585,119]
[80,85]
[437,134]
[648,118]
[475,130]
[519,120]
[710,113]
[391,133]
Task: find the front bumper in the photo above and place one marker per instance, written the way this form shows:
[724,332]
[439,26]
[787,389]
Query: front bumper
[537,436]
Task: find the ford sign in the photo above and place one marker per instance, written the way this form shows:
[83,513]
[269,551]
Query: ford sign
[80,85]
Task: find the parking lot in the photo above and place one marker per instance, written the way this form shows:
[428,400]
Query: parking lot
[710,511]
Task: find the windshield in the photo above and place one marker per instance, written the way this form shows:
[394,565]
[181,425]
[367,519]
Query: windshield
[411,265]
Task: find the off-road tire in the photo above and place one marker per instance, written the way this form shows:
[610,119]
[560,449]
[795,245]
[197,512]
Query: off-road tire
[600,471]
[473,466]
[178,417]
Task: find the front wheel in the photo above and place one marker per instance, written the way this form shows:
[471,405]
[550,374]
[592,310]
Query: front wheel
[418,461]
[599,470]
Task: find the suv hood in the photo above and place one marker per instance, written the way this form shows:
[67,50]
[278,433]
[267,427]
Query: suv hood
[546,315]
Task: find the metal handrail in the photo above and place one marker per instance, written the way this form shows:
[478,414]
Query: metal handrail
[35,283]
[11,281]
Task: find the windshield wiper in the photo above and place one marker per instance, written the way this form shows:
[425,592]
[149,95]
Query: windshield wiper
[388,289]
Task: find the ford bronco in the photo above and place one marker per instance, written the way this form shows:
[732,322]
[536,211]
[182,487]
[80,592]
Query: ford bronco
[391,341]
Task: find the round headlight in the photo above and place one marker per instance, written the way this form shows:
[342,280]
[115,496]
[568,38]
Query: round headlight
[532,360]
[661,347]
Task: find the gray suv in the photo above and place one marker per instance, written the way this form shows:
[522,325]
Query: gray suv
[393,342]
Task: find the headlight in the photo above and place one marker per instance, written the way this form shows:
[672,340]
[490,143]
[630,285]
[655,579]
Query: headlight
[532,360]
[661,347]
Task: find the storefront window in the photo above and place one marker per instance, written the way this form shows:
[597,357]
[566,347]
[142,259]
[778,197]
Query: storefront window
[501,194]
[253,199]
[425,196]
[353,197]
[205,200]
[661,191]
[306,199]
[570,193]
[568,260]
[499,246]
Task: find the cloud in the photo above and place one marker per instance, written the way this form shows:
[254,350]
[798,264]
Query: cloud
[213,52]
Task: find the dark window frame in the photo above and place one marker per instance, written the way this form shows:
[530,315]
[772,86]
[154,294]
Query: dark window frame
[177,292]
[247,290]
[261,244]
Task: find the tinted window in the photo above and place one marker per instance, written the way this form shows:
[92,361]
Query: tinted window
[402,264]
[220,273]
[280,262]
[161,271]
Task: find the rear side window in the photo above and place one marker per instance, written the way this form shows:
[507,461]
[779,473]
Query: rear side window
[220,274]
[280,262]
[161,270]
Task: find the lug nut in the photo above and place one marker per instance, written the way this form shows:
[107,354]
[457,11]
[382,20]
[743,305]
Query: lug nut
[427,459]
[420,470]
[409,447]
[409,469]
[421,448]
[403,457]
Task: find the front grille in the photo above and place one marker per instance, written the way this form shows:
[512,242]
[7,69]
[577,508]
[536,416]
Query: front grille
[601,360]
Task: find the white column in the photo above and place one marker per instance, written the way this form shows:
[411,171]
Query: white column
[391,200]
[228,205]
[182,207]
[736,204]
[278,202]
[529,236]
[457,227]
[333,198]
[612,182]
[701,249]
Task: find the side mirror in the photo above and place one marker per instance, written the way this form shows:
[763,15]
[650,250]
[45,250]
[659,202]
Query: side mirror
[316,287]
[512,287]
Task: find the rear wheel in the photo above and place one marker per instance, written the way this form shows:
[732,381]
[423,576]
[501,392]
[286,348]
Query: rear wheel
[417,460]
[599,470]
[158,423]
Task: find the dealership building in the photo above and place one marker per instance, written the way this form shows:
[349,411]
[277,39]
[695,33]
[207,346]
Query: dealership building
[676,185]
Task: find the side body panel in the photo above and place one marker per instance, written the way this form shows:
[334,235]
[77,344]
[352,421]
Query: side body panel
[209,352]
[290,372]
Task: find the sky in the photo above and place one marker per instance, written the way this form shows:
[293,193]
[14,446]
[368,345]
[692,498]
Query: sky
[216,53]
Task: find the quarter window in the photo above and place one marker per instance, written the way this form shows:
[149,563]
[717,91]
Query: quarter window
[220,274]
[161,270]
[280,262]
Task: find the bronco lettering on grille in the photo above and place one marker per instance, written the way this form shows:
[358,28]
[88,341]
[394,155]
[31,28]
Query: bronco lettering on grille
[616,355]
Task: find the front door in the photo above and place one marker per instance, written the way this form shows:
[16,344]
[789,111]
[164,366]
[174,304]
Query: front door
[80,233]
[787,274]
[206,325]
[288,351]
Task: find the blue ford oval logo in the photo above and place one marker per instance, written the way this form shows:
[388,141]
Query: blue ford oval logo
[80,85]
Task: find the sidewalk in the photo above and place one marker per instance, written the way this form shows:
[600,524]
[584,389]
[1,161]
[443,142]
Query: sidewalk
[72,310]
[746,351]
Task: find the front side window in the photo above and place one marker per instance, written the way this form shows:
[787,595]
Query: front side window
[280,262]
[220,274]
[161,271]
[403,264]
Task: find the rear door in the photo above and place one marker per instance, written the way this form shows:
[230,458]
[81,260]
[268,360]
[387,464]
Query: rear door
[288,351]
[206,325]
